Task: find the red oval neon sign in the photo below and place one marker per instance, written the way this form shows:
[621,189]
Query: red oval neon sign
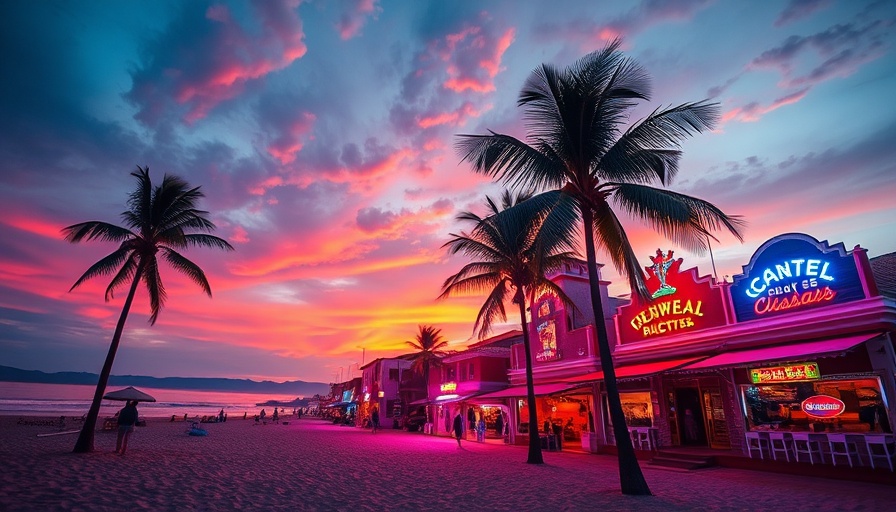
[823,406]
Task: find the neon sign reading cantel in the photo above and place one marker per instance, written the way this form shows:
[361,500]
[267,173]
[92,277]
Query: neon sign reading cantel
[801,267]
[795,293]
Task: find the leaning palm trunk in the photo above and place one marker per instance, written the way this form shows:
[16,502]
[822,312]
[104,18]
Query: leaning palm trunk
[535,455]
[84,443]
[630,476]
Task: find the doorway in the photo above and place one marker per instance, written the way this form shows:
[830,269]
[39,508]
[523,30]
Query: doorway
[689,412]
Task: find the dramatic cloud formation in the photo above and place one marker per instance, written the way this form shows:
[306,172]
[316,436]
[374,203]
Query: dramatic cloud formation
[323,137]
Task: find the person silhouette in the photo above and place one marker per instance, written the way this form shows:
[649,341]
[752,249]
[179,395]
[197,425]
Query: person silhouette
[458,427]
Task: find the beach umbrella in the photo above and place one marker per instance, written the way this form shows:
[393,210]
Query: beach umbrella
[129,393]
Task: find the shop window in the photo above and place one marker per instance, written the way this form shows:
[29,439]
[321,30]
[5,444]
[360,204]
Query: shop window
[567,414]
[637,408]
[847,405]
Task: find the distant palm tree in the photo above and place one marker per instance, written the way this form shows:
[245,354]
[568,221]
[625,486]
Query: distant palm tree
[511,258]
[429,345]
[159,221]
[581,155]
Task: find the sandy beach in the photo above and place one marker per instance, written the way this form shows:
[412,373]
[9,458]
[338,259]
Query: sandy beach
[311,464]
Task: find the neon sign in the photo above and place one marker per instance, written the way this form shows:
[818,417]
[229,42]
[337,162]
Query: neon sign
[448,387]
[792,373]
[823,406]
[808,268]
[682,302]
[795,272]
[547,335]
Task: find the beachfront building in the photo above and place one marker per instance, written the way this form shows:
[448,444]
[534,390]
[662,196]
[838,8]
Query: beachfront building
[461,377]
[380,380]
[563,346]
[343,401]
[797,348]
[795,355]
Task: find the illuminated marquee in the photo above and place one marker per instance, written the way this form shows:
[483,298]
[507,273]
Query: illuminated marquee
[448,387]
[823,406]
[792,373]
[682,302]
[794,272]
[547,335]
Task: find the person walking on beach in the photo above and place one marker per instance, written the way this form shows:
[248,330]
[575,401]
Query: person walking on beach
[458,427]
[127,419]
[276,417]
[375,419]
[263,416]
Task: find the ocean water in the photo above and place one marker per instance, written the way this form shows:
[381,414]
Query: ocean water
[28,399]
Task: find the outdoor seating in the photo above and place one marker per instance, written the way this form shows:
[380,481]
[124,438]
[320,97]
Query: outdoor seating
[880,446]
[803,444]
[641,438]
[779,443]
[838,446]
[756,442]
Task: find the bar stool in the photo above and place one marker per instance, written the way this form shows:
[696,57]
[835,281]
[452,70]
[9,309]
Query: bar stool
[880,447]
[839,446]
[756,442]
[803,444]
[780,443]
[644,441]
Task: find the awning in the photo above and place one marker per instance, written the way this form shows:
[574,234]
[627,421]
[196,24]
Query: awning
[636,370]
[540,390]
[783,353]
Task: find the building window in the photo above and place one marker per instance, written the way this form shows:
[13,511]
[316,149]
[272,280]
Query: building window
[470,370]
[393,374]
[791,406]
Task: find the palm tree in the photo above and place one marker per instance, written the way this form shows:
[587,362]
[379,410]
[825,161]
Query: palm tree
[587,164]
[429,345]
[511,260]
[159,221]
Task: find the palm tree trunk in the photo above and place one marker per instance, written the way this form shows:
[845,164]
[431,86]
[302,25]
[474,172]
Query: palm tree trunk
[630,476]
[535,455]
[84,444]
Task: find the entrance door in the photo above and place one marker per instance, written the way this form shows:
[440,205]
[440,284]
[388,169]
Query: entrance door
[714,415]
[689,412]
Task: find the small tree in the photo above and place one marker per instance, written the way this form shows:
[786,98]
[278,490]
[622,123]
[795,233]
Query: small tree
[511,258]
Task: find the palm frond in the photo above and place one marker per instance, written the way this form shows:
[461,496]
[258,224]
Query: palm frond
[204,240]
[188,268]
[611,236]
[96,230]
[154,286]
[510,160]
[105,266]
[124,276]
[492,309]
[684,220]
[649,149]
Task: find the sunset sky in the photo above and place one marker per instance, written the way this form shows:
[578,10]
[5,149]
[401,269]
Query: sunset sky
[322,134]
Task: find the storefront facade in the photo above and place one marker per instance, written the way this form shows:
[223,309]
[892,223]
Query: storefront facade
[803,344]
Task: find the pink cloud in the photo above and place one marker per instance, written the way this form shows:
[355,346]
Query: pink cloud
[474,59]
[753,112]
[215,64]
[352,20]
[287,145]
[456,118]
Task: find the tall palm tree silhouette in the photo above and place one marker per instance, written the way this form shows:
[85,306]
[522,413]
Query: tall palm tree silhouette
[588,164]
[159,220]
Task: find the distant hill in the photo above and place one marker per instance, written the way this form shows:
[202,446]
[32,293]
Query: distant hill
[294,388]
